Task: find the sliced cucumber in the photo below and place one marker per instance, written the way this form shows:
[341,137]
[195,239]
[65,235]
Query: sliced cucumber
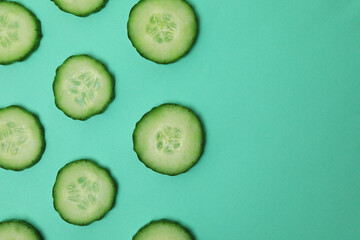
[18,230]
[163,230]
[22,140]
[162,30]
[83,192]
[80,8]
[169,139]
[83,87]
[20,32]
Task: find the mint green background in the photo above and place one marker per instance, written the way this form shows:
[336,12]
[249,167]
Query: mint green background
[277,85]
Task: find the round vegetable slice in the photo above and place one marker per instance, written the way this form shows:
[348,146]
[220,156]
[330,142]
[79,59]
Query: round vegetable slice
[83,87]
[162,30]
[163,230]
[169,139]
[22,140]
[20,32]
[80,8]
[83,192]
[18,230]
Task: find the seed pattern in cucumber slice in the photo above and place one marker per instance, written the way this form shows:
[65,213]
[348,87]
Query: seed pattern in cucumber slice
[163,229]
[80,8]
[169,139]
[83,192]
[162,31]
[20,32]
[83,87]
[18,230]
[22,140]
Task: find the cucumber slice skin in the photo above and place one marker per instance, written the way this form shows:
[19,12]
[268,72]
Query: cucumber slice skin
[142,233]
[79,14]
[42,134]
[148,163]
[20,225]
[112,197]
[58,79]
[37,40]
[154,59]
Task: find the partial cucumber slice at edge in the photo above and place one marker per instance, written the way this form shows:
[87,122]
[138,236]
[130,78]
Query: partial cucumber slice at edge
[161,37]
[13,128]
[18,228]
[35,41]
[81,11]
[163,229]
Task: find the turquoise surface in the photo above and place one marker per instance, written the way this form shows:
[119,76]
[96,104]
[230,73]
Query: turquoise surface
[277,85]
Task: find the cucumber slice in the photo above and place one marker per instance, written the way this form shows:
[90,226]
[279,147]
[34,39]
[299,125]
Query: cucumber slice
[162,30]
[83,87]
[83,192]
[169,139]
[163,230]
[22,140]
[80,8]
[20,32]
[18,230]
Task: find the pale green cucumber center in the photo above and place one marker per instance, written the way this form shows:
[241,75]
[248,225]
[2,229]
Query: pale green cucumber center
[168,139]
[8,31]
[83,87]
[70,1]
[83,192]
[12,136]
[161,27]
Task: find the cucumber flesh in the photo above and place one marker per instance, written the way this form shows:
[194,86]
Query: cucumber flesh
[169,139]
[20,32]
[162,30]
[83,192]
[22,140]
[163,230]
[83,87]
[18,230]
[80,8]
